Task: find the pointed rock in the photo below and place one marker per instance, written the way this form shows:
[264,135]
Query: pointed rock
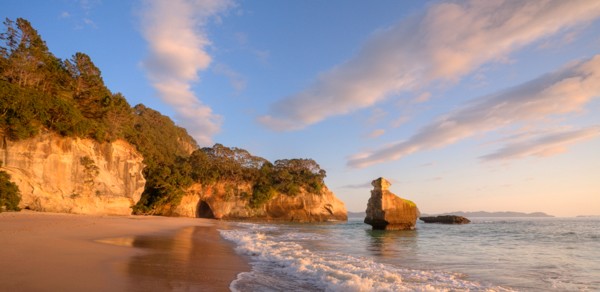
[386,211]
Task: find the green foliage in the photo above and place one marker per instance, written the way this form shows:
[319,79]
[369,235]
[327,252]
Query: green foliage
[165,149]
[410,203]
[9,193]
[220,163]
[290,175]
[90,168]
[261,193]
[165,184]
[25,111]
[157,137]
[41,92]
[92,97]
[234,165]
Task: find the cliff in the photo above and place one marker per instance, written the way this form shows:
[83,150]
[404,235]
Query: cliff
[230,201]
[73,175]
[386,211]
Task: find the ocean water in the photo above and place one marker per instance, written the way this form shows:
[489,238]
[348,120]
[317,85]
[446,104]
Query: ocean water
[490,254]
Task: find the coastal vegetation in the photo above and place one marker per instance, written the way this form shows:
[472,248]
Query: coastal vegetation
[9,193]
[40,92]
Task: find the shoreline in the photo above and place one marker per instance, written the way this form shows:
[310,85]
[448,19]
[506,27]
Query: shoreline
[68,252]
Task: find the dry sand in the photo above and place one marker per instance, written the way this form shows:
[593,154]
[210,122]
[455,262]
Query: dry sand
[65,252]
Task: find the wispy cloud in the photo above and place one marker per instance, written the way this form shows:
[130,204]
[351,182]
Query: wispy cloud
[237,81]
[82,17]
[443,43]
[400,121]
[243,41]
[376,133]
[366,185]
[423,97]
[88,5]
[544,145]
[89,22]
[428,164]
[177,40]
[377,114]
[565,91]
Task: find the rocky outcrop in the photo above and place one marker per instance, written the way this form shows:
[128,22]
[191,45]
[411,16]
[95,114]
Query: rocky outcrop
[73,175]
[386,211]
[231,201]
[446,219]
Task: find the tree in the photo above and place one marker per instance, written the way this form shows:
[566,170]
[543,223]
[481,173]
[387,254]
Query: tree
[9,193]
[26,60]
[89,91]
[41,92]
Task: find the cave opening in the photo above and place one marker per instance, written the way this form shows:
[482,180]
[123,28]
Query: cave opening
[204,210]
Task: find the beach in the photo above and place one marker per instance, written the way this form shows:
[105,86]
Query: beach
[67,252]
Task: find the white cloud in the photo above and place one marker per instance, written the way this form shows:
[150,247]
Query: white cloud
[564,91]
[177,44]
[544,145]
[444,43]
[376,133]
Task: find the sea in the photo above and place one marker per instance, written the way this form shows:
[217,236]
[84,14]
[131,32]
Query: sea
[489,254]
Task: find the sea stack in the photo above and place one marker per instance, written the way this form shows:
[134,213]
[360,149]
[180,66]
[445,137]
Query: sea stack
[386,211]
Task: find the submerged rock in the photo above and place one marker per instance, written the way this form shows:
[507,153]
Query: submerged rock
[386,211]
[446,219]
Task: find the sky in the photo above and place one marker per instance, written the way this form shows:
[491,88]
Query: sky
[462,105]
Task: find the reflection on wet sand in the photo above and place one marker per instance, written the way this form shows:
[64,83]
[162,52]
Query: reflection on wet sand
[193,259]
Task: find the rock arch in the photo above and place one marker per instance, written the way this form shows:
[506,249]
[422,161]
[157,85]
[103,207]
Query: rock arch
[204,210]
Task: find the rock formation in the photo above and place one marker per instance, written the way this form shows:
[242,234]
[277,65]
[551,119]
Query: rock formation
[230,201]
[73,175]
[386,211]
[446,219]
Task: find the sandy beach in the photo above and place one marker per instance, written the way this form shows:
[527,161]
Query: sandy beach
[66,252]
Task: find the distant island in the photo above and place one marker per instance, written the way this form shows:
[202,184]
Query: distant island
[496,214]
[472,214]
[356,214]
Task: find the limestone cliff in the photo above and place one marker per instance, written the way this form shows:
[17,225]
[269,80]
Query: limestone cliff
[231,201]
[73,175]
[386,211]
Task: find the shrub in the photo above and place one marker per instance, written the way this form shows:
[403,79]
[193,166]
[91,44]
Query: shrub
[9,193]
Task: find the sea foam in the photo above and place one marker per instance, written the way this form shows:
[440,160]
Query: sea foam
[280,263]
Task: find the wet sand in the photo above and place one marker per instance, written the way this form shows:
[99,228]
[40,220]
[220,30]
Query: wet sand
[65,252]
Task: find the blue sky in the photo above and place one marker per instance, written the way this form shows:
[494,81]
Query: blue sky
[483,105]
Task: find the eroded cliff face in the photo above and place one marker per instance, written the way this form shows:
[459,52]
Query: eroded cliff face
[231,201]
[72,175]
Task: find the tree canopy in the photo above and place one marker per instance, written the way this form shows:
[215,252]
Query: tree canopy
[40,92]
[9,193]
